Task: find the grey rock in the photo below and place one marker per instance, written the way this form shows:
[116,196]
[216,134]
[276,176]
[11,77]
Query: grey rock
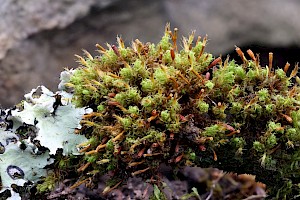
[235,22]
[38,59]
[20,19]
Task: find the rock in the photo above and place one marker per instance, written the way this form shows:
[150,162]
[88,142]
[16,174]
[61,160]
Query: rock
[234,22]
[20,20]
[40,37]
[38,58]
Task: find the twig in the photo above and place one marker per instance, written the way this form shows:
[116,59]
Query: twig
[213,186]
[211,192]
[255,197]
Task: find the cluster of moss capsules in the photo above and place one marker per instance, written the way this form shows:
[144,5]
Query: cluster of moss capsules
[156,104]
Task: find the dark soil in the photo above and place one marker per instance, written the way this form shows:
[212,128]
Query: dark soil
[190,183]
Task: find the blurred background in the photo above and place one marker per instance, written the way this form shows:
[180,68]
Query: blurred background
[38,38]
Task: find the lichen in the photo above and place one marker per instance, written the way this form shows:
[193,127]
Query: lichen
[31,136]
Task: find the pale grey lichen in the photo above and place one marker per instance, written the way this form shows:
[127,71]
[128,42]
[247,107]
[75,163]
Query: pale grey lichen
[55,130]
[53,124]
[31,165]
[65,78]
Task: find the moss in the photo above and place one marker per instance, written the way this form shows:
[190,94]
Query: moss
[48,184]
[151,96]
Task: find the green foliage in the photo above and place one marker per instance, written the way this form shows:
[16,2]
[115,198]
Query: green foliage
[194,193]
[158,104]
[203,106]
[257,146]
[48,183]
[157,194]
